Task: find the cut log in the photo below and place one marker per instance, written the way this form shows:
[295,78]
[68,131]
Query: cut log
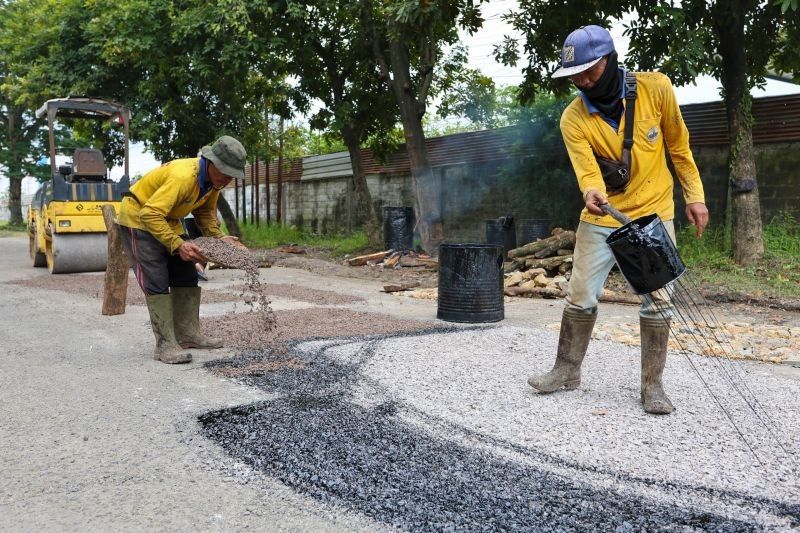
[391,261]
[361,260]
[115,284]
[394,287]
[534,292]
[548,263]
[565,239]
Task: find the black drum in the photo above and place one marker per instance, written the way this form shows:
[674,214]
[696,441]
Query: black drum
[470,283]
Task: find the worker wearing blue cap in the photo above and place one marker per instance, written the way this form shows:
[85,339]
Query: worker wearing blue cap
[638,182]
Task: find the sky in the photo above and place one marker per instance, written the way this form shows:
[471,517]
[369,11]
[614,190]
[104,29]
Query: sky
[481,46]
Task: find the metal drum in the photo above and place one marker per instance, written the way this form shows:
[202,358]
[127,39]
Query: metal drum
[470,283]
[398,228]
[531,229]
[503,232]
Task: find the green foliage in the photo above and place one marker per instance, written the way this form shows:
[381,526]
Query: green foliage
[682,40]
[778,272]
[272,235]
[8,228]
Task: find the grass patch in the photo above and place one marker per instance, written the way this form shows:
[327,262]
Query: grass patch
[270,236]
[777,274]
[7,229]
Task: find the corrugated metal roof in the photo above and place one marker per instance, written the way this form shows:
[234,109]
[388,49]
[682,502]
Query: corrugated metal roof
[777,119]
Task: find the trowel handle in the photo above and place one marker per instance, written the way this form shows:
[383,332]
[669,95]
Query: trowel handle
[619,217]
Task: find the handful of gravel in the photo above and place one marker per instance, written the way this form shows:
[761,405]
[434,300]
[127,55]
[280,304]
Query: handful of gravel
[240,258]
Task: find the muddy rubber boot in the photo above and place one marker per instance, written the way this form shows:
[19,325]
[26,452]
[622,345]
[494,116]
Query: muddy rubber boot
[573,340]
[655,336]
[186,314]
[167,348]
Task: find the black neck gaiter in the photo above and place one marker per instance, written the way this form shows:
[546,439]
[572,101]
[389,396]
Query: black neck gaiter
[605,93]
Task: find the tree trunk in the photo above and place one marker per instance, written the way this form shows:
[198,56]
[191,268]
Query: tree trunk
[365,207]
[15,199]
[748,243]
[427,189]
[228,217]
[14,169]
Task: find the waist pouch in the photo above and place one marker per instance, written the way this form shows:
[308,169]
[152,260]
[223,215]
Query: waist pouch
[616,174]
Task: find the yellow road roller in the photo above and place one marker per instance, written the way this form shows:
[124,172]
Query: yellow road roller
[65,222]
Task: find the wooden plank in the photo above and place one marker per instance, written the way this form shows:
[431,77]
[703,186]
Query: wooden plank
[115,285]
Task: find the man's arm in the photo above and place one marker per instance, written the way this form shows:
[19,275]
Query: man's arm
[676,135]
[206,217]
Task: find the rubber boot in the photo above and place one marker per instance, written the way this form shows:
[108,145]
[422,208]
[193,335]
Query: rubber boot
[573,341]
[655,336]
[167,348]
[186,314]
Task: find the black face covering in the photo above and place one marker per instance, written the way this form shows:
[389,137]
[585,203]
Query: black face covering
[605,93]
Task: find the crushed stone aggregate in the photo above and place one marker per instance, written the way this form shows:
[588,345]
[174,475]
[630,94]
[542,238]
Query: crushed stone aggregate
[92,285]
[304,294]
[439,431]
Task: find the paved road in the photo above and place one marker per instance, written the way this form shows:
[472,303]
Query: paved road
[95,435]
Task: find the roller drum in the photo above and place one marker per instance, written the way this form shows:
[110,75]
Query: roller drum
[77,252]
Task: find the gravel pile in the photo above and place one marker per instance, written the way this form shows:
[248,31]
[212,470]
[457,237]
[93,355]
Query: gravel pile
[304,294]
[92,285]
[261,315]
[292,325]
[439,431]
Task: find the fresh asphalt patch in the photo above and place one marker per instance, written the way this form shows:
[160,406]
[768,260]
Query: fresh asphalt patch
[344,432]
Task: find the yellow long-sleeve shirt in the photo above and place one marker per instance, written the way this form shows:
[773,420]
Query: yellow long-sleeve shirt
[657,122]
[163,196]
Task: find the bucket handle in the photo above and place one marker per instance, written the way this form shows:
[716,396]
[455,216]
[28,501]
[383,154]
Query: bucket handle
[618,216]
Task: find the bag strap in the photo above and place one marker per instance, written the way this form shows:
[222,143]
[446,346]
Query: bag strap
[630,106]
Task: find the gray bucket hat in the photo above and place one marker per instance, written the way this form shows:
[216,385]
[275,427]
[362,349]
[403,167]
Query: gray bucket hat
[228,155]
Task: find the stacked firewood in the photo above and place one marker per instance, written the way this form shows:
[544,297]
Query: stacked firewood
[541,268]
[396,260]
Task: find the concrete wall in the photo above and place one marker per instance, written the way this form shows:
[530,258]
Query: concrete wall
[534,187]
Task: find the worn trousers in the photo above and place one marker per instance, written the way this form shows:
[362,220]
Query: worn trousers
[155,268]
[592,262]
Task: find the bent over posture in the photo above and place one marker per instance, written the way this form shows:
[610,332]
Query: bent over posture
[593,125]
[160,255]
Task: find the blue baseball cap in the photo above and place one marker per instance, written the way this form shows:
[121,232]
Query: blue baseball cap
[583,49]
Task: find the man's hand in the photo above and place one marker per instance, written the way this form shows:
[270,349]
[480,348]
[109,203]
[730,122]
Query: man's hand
[231,239]
[697,213]
[189,251]
[594,199]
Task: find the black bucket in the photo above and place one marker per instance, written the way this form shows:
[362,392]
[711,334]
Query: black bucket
[398,228]
[530,229]
[646,254]
[503,232]
[470,283]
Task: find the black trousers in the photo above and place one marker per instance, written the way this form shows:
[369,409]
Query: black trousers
[155,268]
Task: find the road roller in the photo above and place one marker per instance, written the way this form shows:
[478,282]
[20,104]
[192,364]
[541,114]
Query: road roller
[66,228]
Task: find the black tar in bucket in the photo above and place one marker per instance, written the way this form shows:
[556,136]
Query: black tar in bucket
[470,283]
[646,254]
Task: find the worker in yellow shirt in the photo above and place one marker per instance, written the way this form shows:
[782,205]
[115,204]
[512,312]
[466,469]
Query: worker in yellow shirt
[160,253]
[594,125]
